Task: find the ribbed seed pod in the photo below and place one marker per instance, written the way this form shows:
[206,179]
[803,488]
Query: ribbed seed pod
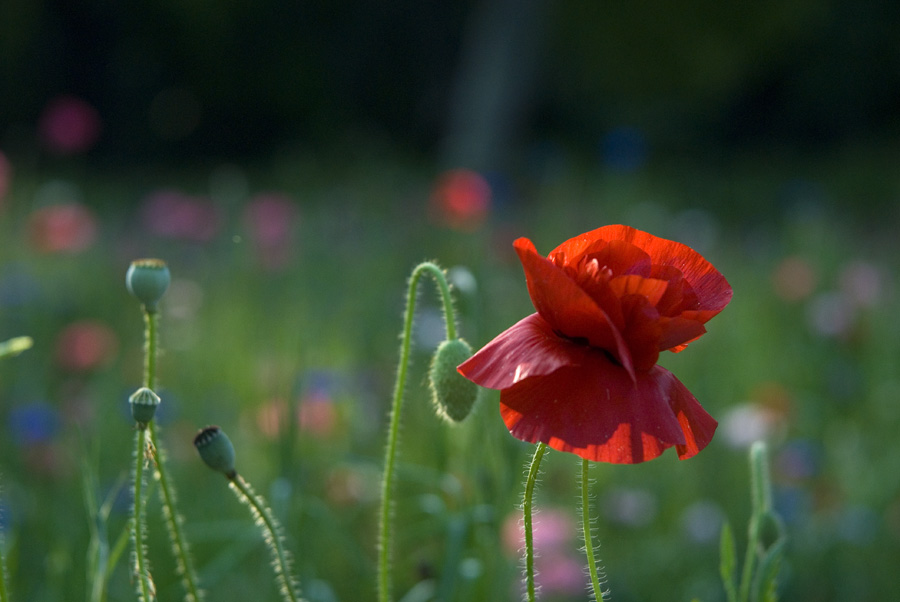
[143,405]
[216,450]
[452,394]
[148,279]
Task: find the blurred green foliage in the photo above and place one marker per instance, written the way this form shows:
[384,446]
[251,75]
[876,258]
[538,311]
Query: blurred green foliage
[806,354]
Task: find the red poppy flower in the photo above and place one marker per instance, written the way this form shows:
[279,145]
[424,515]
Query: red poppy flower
[580,374]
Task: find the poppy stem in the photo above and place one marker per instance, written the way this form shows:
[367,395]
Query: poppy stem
[586,530]
[387,482]
[281,561]
[146,590]
[527,520]
[183,561]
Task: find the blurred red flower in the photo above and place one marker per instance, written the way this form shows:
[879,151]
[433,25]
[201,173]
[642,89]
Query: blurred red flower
[461,199]
[174,214]
[5,177]
[69,125]
[69,228]
[86,345]
[271,219]
[580,374]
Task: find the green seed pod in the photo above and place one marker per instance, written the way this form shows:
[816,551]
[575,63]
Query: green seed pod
[148,279]
[143,405]
[453,396]
[216,450]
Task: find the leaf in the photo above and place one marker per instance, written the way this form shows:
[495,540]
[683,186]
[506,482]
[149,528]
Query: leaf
[728,562]
[766,582]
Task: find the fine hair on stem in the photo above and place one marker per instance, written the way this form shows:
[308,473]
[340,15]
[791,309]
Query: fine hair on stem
[271,530]
[387,483]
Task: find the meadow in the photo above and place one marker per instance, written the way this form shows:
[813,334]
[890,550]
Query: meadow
[281,326]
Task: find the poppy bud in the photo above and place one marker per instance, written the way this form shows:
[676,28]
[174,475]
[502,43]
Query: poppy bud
[143,405]
[216,450]
[453,395]
[148,279]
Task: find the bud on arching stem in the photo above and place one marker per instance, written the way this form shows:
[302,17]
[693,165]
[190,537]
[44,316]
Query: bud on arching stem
[452,394]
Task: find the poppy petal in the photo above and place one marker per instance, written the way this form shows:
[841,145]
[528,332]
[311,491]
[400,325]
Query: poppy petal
[713,291]
[566,306]
[527,349]
[678,332]
[598,412]
[696,424]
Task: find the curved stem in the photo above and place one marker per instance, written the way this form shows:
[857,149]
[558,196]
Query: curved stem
[183,561]
[387,483]
[180,548]
[272,535]
[137,521]
[527,513]
[586,529]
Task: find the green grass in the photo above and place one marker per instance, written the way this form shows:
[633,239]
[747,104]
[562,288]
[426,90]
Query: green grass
[235,337]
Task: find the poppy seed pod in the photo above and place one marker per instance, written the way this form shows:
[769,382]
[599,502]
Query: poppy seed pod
[216,450]
[452,395]
[148,279]
[143,405]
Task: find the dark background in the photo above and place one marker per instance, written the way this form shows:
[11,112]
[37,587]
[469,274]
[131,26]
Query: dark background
[484,83]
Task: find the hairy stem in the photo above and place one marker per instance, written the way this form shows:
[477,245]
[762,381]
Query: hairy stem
[527,519]
[387,483]
[272,535]
[180,549]
[586,530]
[141,570]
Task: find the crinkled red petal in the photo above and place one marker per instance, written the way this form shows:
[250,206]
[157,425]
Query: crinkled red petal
[566,306]
[712,290]
[528,348]
[598,412]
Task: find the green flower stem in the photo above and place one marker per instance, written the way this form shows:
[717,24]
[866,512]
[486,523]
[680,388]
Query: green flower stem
[586,530]
[527,513]
[387,483]
[151,336]
[761,498]
[167,492]
[267,521]
[141,570]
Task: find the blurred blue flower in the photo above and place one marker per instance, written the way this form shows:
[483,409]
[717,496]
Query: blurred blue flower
[17,286]
[799,459]
[33,423]
[624,149]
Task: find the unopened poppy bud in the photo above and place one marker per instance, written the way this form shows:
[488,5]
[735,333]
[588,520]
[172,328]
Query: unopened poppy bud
[453,395]
[216,450]
[148,279]
[143,405]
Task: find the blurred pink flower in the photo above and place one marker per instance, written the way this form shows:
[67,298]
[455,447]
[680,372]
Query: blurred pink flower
[270,417]
[461,199]
[861,283]
[558,570]
[174,214]
[69,227]
[270,220]
[5,177]
[86,345]
[317,414]
[794,279]
[69,125]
